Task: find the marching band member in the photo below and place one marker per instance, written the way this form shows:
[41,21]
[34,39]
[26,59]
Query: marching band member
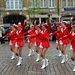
[71,36]
[20,41]
[57,33]
[12,37]
[62,31]
[45,44]
[65,42]
[37,41]
[31,39]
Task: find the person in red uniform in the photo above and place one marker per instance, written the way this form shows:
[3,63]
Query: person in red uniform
[12,37]
[31,39]
[20,41]
[37,41]
[71,36]
[57,33]
[45,44]
[65,42]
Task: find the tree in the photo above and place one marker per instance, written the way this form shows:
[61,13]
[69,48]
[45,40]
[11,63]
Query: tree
[33,8]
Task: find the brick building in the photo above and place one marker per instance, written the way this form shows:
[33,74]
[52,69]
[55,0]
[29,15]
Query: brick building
[13,11]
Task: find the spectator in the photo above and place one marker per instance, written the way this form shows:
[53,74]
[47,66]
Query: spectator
[2,33]
[7,31]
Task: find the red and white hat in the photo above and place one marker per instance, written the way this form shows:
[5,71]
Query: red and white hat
[19,24]
[44,24]
[64,22]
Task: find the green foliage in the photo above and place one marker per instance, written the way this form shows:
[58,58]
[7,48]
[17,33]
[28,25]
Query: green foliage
[33,7]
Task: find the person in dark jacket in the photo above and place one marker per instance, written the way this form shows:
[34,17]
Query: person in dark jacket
[2,33]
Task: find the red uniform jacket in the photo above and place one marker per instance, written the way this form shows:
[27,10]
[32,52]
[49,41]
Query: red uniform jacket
[61,33]
[58,34]
[31,32]
[20,36]
[71,36]
[37,36]
[12,36]
[66,32]
[45,37]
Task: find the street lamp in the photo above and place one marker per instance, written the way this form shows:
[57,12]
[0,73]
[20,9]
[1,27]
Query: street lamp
[49,19]
[59,17]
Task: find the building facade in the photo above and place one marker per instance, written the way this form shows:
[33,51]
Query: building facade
[13,11]
[67,9]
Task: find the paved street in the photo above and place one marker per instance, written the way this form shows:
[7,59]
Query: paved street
[30,66]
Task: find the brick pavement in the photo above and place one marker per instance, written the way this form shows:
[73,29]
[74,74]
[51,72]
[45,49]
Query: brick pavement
[30,66]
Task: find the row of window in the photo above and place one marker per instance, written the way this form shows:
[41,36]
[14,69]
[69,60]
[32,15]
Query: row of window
[51,3]
[17,4]
[14,4]
[43,3]
[70,3]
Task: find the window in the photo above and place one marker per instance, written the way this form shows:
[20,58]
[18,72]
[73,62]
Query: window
[70,2]
[34,3]
[51,3]
[13,4]
[43,3]
[63,3]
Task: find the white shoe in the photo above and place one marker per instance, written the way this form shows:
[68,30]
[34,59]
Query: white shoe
[63,59]
[46,62]
[13,56]
[30,53]
[74,67]
[43,64]
[38,57]
[19,62]
[42,59]
[60,54]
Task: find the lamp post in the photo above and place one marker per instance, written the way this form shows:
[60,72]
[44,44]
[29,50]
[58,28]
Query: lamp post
[49,19]
[59,17]
[0,16]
